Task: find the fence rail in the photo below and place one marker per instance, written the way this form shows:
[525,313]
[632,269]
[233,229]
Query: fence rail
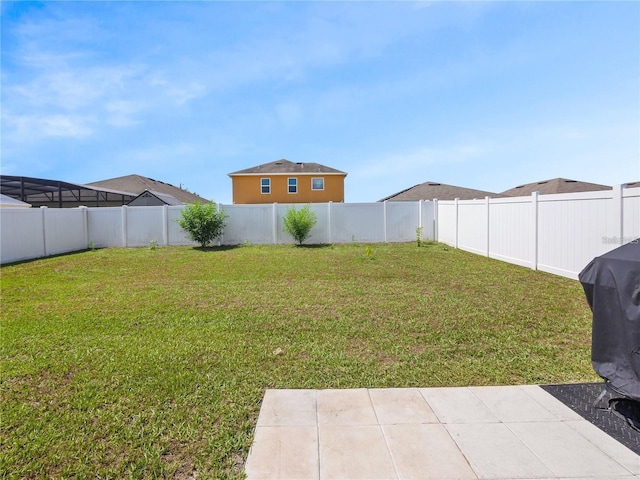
[558,234]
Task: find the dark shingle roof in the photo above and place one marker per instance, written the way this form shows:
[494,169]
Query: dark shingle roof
[556,185]
[441,191]
[286,167]
[138,184]
[632,184]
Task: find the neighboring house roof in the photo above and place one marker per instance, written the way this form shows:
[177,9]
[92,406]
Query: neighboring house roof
[556,185]
[285,167]
[441,191]
[148,196]
[138,184]
[43,191]
[10,202]
[632,184]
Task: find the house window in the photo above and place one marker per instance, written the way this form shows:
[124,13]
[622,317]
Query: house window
[293,185]
[265,185]
[317,184]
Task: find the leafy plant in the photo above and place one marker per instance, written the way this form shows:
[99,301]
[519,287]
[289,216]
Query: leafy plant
[419,236]
[202,222]
[153,244]
[298,223]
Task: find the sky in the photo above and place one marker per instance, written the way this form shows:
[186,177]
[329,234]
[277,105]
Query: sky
[485,95]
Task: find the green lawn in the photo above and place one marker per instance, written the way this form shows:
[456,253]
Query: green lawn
[152,362]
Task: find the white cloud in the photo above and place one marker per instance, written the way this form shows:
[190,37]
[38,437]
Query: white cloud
[65,125]
[28,128]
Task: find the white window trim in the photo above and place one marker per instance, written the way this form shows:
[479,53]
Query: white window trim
[289,186]
[317,189]
[262,186]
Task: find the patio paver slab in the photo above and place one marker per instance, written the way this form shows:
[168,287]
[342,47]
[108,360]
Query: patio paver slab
[431,433]
[401,405]
[426,451]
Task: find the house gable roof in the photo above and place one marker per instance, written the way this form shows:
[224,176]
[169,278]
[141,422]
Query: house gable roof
[555,185]
[441,191]
[285,167]
[165,198]
[7,201]
[138,184]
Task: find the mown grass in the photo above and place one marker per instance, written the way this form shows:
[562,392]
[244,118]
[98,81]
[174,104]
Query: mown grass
[152,363]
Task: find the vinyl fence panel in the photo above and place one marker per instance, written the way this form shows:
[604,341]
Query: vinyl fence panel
[106,227]
[22,234]
[571,230]
[447,225]
[145,225]
[65,230]
[357,222]
[511,230]
[472,226]
[402,220]
[427,220]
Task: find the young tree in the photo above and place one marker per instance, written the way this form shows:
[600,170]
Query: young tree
[298,223]
[202,222]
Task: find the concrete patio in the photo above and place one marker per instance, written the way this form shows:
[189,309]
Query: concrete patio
[514,432]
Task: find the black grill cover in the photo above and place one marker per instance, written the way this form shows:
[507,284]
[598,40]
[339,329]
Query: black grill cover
[611,284]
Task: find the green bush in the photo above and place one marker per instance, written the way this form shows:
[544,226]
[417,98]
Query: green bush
[202,222]
[298,223]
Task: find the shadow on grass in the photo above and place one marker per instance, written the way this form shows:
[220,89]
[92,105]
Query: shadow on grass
[315,245]
[57,255]
[221,248]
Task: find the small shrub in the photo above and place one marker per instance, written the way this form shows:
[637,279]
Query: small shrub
[298,223]
[202,222]
[419,236]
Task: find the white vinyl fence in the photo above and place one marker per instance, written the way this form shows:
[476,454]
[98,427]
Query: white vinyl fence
[558,234]
[33,233]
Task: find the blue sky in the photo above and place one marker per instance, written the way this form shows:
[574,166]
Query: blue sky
[485,95]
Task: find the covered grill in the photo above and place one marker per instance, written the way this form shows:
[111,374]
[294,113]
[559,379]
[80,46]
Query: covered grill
[611,284]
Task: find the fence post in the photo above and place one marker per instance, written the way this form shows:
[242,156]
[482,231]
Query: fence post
[435,220]
[274,219]
[218,208]
[384,219]
[43,211]
[85,224]
[456,200]
[165,224]
[329,206]
[618,213]
[124,225]
[487,203]
[534,206]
